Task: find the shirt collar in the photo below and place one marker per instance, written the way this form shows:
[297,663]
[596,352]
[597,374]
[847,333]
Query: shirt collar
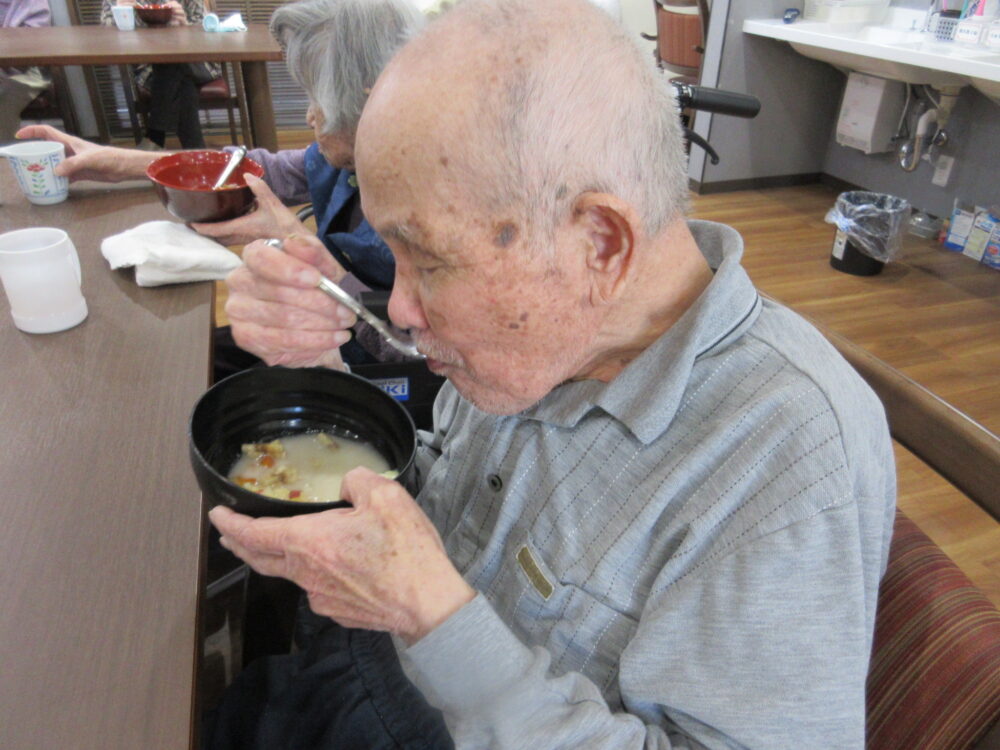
[645,396]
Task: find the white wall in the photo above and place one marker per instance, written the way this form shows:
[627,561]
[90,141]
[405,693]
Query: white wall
[789,137]
[638,16]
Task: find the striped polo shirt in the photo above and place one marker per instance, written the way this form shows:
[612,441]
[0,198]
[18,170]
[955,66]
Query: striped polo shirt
[687,556]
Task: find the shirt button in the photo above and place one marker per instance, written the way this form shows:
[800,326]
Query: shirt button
[495,482]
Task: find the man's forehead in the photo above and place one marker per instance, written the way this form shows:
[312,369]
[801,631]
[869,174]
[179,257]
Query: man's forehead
[430,90]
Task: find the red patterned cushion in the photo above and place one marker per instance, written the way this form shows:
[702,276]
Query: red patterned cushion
[934,680]
[217,89]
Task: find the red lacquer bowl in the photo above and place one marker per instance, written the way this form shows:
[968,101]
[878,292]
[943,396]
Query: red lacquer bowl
[184,183]
[154,14]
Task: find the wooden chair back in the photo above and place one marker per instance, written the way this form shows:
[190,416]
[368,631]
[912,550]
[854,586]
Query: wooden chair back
[954,445]
[934,678]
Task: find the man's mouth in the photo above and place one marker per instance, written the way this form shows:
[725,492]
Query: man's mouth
[436,365]
[434,353]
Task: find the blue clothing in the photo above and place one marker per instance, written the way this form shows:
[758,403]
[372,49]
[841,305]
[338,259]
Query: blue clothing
[361,252]
[342,689]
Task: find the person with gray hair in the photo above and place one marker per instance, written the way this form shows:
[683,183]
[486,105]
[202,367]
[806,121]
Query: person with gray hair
[655,507]
[334,49]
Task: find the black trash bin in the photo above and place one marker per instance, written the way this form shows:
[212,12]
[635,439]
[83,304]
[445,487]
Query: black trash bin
[869,231]
[848,258]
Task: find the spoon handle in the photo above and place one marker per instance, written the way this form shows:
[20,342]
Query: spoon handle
[234,159]
[332,290]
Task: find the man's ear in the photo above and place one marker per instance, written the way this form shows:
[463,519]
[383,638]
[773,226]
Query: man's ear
[609,224]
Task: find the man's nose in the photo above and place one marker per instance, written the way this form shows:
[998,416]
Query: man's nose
[405,307]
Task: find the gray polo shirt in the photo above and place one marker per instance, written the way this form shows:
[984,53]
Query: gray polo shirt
[687,556]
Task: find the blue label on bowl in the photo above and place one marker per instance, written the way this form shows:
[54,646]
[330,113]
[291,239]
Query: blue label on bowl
[398,388]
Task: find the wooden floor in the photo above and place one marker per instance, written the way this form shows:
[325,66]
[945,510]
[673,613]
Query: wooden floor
[935,316]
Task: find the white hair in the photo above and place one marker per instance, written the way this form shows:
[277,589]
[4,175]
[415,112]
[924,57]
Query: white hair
[577,106]
[336,49]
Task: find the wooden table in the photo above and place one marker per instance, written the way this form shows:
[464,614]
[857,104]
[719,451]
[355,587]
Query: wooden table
[101,523]
[105,45]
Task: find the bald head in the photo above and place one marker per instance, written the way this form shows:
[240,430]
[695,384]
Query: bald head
[529,103]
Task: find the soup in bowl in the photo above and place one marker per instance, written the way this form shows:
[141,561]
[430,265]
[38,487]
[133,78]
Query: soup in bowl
[275,441]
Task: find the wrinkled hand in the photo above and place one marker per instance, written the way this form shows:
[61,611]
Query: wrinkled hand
[178,17]
[91,161]
[269,219]
[276,311]
[379,565]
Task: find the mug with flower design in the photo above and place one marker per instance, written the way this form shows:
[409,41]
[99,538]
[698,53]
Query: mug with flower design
[33,163]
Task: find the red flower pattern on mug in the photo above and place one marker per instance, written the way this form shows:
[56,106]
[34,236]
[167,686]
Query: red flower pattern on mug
[35,167]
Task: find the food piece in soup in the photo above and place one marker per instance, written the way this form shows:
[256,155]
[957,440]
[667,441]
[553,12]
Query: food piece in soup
[304,468]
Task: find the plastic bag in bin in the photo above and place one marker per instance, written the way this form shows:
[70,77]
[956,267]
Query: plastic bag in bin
[874,222]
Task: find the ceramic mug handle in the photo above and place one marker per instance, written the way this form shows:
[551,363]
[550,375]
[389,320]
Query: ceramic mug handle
[76,261]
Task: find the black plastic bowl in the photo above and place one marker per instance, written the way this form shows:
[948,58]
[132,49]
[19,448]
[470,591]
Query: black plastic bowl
[264,403]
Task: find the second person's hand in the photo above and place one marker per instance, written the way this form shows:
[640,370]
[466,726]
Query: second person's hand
[271,218]
[179,17]
[91,161]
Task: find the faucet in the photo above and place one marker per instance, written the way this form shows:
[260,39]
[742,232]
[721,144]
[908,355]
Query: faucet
[911,151]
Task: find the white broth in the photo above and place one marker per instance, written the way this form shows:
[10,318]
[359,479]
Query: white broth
[306,468]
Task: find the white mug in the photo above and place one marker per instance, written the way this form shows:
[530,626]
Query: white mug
[40,272]
[124,17]
[33,163]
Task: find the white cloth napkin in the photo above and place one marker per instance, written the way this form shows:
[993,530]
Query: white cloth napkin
[234,22]
[166,252]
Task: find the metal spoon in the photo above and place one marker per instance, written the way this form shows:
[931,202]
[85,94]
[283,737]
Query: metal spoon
[234,159]
[332,290]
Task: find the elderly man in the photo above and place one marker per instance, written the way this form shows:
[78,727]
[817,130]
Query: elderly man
[655,508]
